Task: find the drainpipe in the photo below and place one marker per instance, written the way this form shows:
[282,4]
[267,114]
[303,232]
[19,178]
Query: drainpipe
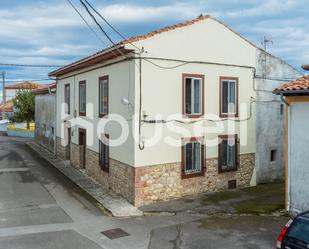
[55,121]
[283,100]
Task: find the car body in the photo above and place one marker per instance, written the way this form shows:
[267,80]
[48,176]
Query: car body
[295,234]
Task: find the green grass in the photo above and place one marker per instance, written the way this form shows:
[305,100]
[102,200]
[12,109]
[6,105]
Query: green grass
[221,196]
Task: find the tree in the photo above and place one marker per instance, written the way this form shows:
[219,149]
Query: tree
[24,105]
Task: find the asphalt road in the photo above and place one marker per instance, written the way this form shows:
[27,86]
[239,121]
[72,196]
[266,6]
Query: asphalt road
[41,209]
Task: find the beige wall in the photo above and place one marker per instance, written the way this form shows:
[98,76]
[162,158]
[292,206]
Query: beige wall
[162,94]
[121,85]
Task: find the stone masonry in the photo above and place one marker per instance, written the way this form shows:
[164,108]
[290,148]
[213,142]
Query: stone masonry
[144,185]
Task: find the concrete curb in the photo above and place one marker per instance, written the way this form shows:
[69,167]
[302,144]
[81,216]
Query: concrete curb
[113,203]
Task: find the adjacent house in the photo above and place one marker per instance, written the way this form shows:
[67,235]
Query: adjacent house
[45,115]
[296,96]
[197,100]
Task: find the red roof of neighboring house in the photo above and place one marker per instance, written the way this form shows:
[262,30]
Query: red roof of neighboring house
[23,85]
[300,85]
[42,89]
[8,106]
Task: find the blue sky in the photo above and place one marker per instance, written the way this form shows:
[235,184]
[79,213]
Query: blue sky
[50,32]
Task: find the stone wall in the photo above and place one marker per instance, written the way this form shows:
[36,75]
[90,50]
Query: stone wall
[164,182]
[145,185]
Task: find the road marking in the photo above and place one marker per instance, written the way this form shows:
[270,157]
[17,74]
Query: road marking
[9,170]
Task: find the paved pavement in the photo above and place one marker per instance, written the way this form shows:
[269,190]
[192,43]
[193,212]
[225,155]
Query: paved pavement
[41,209]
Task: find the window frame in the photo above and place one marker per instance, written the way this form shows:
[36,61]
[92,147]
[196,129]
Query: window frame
[226,115]
[103,165]
[193,76]
[101,114]
[68,105]
[83,82]
[221,138]
[184,142]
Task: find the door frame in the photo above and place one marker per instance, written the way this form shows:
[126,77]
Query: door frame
[82,155]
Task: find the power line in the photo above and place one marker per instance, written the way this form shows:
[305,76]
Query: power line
[27,65]
[95,20]
[85,21]
[109,24]
[20,81]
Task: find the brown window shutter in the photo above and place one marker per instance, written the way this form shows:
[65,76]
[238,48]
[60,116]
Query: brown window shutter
[237,151]
[203,159]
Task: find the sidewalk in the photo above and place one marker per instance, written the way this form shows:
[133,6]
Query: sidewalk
[113,203]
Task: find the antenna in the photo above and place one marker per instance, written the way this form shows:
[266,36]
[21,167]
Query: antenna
[266,41]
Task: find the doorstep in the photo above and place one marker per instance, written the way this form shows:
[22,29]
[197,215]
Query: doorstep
[116,205]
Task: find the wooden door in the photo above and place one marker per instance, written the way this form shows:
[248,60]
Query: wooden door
[68,147]
[82,148]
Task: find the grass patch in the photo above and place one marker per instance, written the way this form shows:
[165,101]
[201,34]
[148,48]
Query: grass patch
[12,127]
[259,206]
[221,196]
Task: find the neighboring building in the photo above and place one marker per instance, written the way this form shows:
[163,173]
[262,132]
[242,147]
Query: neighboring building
[296,96]
[194,69]
[8,109]
[45,115]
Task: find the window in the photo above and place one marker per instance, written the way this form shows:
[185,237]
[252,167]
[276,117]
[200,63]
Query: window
[67,98]
[82,98]
[229,97]
[104,153]
[281,109]
[273,155]
[228,153]
[193,95]
[103,96]
[193,157]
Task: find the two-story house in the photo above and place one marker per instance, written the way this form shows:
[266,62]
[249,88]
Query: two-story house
[181,110]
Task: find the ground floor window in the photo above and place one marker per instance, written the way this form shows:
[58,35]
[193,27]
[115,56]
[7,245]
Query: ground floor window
[193,157]
[228,153]
[104,153]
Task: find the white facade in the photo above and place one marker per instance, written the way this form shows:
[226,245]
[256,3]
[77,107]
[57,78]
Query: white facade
[206,48]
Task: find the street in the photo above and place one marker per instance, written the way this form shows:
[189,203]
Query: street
[41,209]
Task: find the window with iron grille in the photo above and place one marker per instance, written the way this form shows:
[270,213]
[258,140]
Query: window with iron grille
[228,153]
[104,153]
[82,98]
[103,96]
[193,157]
[67,99]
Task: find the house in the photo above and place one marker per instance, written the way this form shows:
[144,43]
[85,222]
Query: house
[45,115]
[8,108]
[296,96]
[182,110]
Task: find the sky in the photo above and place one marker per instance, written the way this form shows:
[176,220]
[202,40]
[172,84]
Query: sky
[51,33]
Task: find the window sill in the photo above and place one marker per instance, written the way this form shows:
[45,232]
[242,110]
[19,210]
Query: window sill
[82,114]
[227,170]
[193,115]
[226,115]
[187,176]
[103,115]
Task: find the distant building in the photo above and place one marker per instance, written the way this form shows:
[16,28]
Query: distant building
[8,108]
[45,115]
[296,96]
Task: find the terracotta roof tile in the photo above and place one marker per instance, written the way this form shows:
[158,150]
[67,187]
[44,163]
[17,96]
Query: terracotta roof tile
[296,85]
[305,67]
[44,88]
[165,29]
[22,85]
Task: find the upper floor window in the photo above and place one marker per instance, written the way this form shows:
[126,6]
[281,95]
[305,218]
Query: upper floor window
[103,96]
[228,97]
[67,98]
[104,153]
[228,153]
[193,95]
[193,157]
[82,98]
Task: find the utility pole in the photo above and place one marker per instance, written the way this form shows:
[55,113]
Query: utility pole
[3,95]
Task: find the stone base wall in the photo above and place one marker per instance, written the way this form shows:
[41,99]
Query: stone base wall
[164,182]
[144,185]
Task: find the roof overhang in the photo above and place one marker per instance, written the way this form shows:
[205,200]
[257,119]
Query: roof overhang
[292,93]
[100,57]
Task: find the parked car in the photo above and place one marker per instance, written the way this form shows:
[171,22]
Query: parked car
[295,234]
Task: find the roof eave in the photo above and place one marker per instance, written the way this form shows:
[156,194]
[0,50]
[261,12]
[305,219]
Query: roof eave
[105,55]
[292,92]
